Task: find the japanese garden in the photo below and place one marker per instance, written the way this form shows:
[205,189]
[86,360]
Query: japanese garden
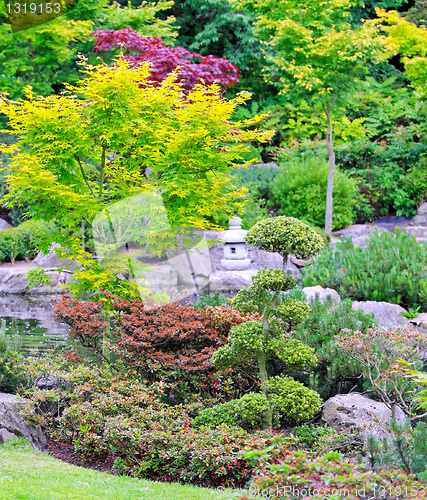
[213,257]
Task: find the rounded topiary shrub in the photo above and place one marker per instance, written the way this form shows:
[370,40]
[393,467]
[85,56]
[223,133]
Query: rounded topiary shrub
[224,413]
[293,311]
[273,279]
[299,190]
[287,236]
[292,400]
[244,412]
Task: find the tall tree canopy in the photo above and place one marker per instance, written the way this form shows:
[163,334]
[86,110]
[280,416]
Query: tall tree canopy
[313,52]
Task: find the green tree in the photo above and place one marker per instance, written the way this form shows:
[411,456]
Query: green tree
[265,340]
[313,52]
[287,236]
[113,137]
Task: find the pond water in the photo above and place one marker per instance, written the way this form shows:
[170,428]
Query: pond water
[32,319]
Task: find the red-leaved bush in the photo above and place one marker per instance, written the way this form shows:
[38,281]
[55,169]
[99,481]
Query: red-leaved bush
[193,68]
[171,343]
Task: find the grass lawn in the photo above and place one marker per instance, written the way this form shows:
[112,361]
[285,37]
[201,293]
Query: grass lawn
[27,474]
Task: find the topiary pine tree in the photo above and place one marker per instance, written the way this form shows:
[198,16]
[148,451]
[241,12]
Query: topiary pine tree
[267,340]
[287,236]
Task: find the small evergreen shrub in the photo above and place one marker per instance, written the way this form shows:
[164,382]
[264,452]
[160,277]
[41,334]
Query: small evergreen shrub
[392,268]
[210,301]
[287,236]
[311,435]
[244,412]
[300,191]
[292,400]
[293,311]
[407,450]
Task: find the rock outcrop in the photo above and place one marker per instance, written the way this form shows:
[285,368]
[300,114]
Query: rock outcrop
[13,424]
[356,411]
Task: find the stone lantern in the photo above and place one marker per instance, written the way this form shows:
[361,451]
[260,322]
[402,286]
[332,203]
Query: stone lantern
[235,250]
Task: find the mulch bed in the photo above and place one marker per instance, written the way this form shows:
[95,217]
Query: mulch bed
[66,453]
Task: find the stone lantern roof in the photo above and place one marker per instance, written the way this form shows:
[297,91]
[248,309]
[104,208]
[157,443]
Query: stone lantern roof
[235,233]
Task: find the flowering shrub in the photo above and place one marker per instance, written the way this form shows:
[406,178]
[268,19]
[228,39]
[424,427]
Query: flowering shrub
[194,68]
[208,457]
[377,353]
[171,343]
[330,476]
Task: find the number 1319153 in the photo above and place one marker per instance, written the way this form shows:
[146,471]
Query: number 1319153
[33,8]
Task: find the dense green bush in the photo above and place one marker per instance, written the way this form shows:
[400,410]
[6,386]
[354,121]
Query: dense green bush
[300,191]
[391,269]
[244,412]
[287,236]
[311,435]
[292,400]
[25,240]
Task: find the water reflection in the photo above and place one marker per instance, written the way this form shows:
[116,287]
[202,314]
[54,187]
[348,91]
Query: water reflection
[32,318]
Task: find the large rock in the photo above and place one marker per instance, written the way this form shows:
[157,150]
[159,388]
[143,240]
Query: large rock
[420,322]
[317,292]
[358,232]
[51,260]
[13,424]
[421,218]
[356,411]
[420,232]
[387,315]
[231,281]
[13,280]
[4,224]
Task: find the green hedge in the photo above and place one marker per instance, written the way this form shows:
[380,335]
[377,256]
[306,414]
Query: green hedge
[25,240]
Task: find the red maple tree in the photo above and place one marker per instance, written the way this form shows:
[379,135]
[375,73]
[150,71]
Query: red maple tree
[193,68]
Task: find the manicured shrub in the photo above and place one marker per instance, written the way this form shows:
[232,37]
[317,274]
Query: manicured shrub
[292,400]
[293,311]
[299,190]
[273,279]
[392,268]
[222,414]
[287,236]
[245,412]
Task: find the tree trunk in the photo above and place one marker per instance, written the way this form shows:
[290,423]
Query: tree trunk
[330,188]
[267,416]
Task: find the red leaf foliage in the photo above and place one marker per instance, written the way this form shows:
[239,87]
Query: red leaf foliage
[171,343]
[194,68]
